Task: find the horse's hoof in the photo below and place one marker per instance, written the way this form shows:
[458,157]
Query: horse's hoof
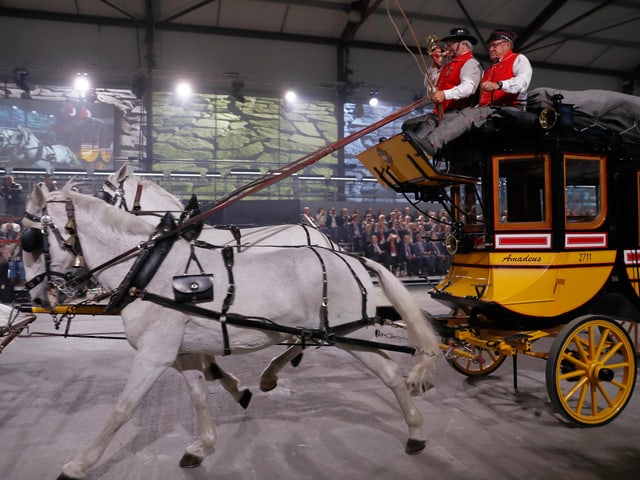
[245,398]
[414,446]
[189,460]
[295,361]
[64,476]
[266,386]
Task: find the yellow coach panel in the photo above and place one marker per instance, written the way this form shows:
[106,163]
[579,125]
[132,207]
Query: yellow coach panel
[544,284]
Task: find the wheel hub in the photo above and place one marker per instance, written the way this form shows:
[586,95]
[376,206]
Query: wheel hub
[605,374]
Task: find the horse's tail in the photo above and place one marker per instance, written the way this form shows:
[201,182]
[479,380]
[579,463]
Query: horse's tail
[420,332]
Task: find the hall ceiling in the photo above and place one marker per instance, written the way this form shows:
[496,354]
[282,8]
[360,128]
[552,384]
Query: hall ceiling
[590,36]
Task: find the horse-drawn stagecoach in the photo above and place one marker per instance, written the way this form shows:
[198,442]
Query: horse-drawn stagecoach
[544,241]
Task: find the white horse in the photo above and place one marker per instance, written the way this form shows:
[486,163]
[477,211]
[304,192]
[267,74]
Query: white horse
[125,189]
[128,191]
[25,147]
[305,288]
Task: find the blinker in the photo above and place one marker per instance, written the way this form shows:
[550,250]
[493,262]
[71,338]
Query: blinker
[32,240]
[106,197]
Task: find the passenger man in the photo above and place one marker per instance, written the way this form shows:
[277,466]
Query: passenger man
[507,80]
[504,85]
[457,83]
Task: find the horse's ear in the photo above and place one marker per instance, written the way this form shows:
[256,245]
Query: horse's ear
[39,194]
[122,173]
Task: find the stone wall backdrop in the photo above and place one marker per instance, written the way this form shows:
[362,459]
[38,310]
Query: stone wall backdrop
[218,133]
[238,140]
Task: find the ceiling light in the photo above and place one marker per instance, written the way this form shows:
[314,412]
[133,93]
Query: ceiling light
[82,84]
[183,90]
[290,96]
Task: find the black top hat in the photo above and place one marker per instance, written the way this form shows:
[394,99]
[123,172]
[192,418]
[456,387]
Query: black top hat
[459,34]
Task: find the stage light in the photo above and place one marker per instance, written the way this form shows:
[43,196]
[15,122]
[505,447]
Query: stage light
[82,84]
[183,90]
[290,96]
[373,98]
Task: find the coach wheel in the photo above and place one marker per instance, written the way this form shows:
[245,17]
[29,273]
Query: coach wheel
[591,371]
[632,330]
[484,363]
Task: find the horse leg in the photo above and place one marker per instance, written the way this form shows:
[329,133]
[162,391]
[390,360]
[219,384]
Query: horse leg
[269,376]
[146,368]
[192,368]
[390,373]
[230,383]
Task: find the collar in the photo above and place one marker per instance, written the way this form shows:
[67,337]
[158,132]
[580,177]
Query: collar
[506,56]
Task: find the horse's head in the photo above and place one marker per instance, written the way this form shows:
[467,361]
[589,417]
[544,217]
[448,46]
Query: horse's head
[18,139]
[111,190]
[128,191]
[50,254]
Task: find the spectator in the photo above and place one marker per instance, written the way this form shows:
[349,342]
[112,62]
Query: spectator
[13,252]
[12,193]
[50,183]
[343,221]
[438,260]
[376,252]
[332,224]
[393,254]
[355,233]
[408,257]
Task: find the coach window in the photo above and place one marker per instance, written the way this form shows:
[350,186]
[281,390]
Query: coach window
[584,191]
[522,198]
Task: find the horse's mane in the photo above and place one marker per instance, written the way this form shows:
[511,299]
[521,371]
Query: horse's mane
[161,191]
[106,215]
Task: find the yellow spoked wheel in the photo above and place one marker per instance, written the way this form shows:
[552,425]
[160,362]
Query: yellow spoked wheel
[632,330]
[484,363]
[591,370]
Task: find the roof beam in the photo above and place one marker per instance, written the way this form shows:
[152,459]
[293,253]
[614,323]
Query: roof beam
[588,13]
[187,10]
[361,6]
[537,23]
[133,22]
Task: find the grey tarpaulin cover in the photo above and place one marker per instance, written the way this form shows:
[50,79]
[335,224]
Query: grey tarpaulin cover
[614,111]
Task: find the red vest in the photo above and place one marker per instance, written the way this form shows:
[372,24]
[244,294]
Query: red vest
[501,70]
[450,77]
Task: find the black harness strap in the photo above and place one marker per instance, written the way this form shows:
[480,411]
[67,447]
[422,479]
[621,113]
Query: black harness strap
[322,335]
[324,305]
[227,256]
[145,266]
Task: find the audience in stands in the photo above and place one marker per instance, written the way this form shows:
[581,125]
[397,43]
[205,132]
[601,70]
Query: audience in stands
[407,242]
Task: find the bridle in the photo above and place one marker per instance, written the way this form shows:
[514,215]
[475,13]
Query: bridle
[115,195]
[112,194]
[35,240]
